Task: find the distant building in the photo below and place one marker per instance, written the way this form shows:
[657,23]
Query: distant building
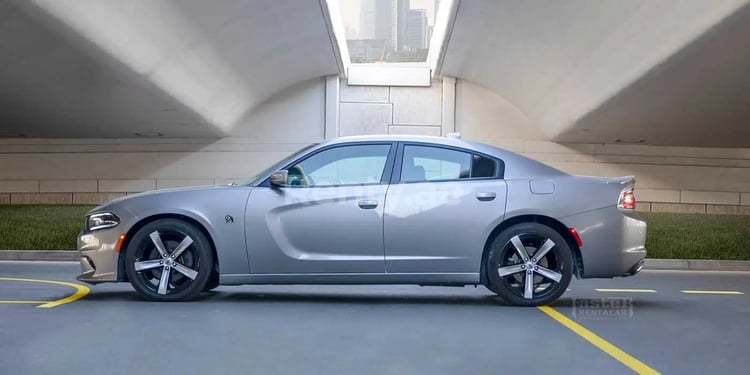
[389,30]
[375,19]
[399,15]
[368,50]
[416,29]
[351,33]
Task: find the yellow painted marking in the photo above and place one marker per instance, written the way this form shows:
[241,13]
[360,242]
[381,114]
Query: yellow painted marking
[615,352]
[625,290]
[711,292]
[21,302]
[81,291]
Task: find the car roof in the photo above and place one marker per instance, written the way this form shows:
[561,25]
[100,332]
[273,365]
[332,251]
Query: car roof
[448,141]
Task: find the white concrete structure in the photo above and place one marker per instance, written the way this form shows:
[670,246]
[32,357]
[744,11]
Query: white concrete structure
[104,98]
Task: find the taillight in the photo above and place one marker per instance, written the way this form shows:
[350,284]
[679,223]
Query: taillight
[576,236]
[627,199]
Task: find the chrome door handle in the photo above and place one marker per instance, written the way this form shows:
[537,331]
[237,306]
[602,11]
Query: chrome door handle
[484,197]
[367,204]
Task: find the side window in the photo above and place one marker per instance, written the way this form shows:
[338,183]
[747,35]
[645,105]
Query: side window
[344,165]
[483,167]
[425,163]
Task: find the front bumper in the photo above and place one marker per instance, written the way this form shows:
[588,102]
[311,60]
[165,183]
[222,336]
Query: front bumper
[98,257]
[614,241]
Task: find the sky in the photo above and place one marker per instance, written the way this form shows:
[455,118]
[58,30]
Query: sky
[350,11]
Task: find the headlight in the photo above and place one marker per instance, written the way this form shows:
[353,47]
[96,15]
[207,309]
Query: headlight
[101,221]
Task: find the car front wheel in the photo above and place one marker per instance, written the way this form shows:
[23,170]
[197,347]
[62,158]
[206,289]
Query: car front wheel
[529,264]
[169,260]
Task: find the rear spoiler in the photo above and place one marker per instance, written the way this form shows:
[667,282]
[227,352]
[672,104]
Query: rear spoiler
[624,180]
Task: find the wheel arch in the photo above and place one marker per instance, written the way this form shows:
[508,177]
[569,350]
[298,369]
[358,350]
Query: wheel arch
[555,224]
[122,276]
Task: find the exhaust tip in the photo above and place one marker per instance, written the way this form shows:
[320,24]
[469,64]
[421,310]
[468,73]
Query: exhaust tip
[635,269]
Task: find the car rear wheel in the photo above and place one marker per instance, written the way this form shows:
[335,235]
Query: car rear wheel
[169,260]
[529,264]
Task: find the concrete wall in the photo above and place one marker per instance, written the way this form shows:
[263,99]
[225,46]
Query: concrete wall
[90,171]
[390,110]
[669,179]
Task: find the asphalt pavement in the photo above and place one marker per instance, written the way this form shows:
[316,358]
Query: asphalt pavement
[687,322]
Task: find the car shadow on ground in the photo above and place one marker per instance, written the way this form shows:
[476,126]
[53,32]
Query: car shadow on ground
[313,297]
[473,299]
[129,296]
[358,298]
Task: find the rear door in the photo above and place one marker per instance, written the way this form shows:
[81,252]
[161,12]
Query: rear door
[442,204]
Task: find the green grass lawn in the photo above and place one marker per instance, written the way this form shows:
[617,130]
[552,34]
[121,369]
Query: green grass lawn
[697,236]
[670,236]
[40,227]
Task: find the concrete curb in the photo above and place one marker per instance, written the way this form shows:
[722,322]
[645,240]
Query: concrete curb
[697,265]
[46,255]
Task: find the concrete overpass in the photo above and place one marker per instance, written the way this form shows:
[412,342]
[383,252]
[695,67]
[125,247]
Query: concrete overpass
[164,91]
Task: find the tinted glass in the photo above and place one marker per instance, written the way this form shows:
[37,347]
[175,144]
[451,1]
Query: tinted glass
[483,167]
[424,163]
[345,165]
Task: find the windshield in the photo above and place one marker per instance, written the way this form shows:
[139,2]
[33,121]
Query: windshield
[252,181]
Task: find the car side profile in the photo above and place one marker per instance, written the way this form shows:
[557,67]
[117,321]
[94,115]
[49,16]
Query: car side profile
[374,210]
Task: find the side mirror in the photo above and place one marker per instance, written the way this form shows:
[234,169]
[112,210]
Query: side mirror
[279,179]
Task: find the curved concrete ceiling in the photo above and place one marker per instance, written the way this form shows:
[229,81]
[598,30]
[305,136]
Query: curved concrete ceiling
[669,72]
[598,71]
[88,68]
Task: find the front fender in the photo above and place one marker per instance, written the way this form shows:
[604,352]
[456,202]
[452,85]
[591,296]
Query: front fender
[220,212]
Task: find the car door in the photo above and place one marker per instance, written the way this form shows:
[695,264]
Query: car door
[440,208]
[329,217]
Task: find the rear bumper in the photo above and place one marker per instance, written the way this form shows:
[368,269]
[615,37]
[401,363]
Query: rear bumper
[614,241]
[97,256]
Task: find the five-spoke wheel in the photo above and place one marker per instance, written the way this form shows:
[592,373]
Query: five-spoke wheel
[169,260]
[529,264]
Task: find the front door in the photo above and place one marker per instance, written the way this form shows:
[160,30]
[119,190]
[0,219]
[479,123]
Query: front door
[329,217]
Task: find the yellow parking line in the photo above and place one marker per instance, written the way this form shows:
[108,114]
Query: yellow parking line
[625,290]
[615,352]
[711,292]
[81,291]
[22,302]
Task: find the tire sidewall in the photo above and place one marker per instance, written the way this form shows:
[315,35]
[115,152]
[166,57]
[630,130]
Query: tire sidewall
[497,285]
[201,248]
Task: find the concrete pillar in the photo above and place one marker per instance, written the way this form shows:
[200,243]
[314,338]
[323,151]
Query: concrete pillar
[332,107]
[449,106]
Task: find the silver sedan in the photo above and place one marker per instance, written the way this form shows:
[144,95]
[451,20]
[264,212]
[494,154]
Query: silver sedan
[374,210]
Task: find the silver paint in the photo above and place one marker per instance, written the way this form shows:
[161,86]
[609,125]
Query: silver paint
[431,233]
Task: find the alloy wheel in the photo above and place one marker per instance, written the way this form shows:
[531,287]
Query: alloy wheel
[530,266]
[167,261]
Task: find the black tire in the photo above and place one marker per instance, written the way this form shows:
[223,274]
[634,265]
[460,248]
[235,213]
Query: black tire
[508,273]
[213,282]
[188,268]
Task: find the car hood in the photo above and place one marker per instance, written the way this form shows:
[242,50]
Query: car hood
[152,193]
